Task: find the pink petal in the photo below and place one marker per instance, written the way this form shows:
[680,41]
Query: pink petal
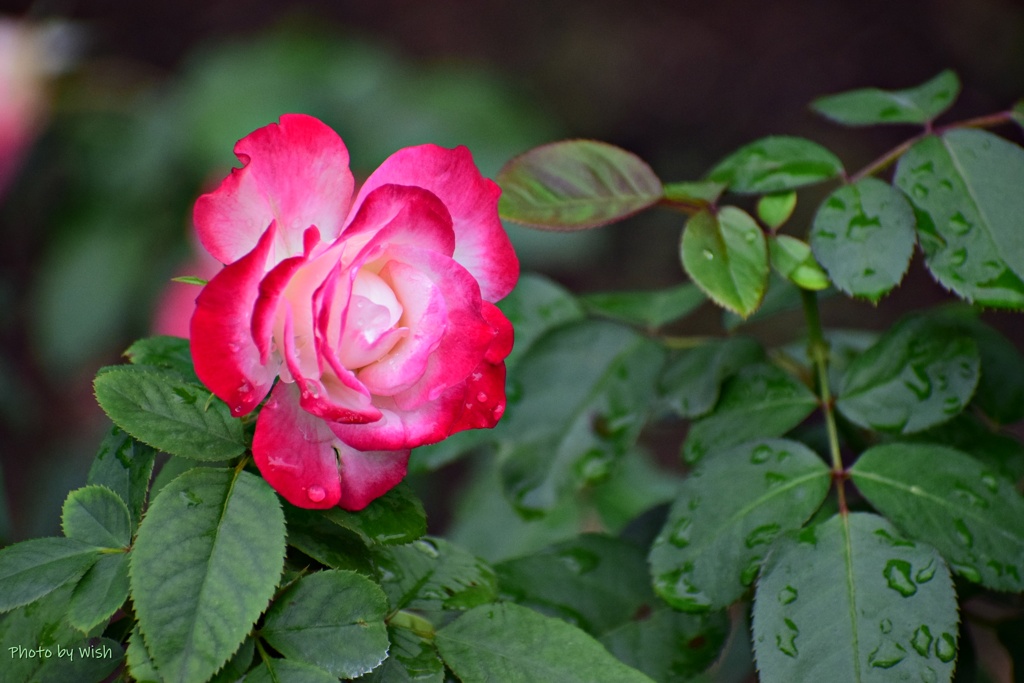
[225,357]
[424,316]
[482,246]
[368,475]
[466,337]
[294,172]
[483,402]
[396,215]
[504,336]
[295,452]
[399,429]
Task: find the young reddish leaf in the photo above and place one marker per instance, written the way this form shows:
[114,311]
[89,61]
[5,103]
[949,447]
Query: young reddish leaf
[575,184]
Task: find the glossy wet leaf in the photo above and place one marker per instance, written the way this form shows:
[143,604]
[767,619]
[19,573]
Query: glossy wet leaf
[205,563]
[691,381]
[775,209]
[513,644]
[774,164]
[124,466]
[173,415]
[870,106]
[864,236]
[168,353]
[412,658]
[726,256]
[431,574]
[943,497]
[100,592]
[964,186]
[792,259]
[727,514]
[575,184]
[667,645]
[700,193]
[32,569]
[395,517]
[919,374]
[849,600]
[594,582]
[97,516]
[578,412]
[760,401]
[650,310]
[331,619]
[535,306]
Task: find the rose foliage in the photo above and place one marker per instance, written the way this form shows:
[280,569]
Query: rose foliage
[845,505]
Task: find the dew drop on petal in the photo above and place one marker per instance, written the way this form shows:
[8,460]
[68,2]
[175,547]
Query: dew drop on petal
[482,397]
[316,493]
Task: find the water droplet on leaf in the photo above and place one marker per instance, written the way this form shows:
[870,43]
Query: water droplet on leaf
[926,573]
[708,254]
[681,533]
[885,626]
[945,648]
[761,454]
[887,655]
[762,535]
[963,534]
[787,595]
[897,575]
[786,641]
[922,640]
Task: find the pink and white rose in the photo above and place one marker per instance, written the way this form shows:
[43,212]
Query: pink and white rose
[376,312]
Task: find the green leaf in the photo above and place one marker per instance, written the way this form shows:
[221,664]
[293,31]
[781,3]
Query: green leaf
[97,516]
[870,106]
[1000,392]
[726,256]
[395,517]
[594,582]
[167,353]
[331,619]
[775,209]
[964,186]
[792,259]
[239,663]
[667,645]
[43,625]
[161,409]
[101,592]
[431,574]
[946,498]
[775,164]
[649,310]
[32,569]
[124,466]
[728,512]
[700,194]
[140,663]
[864,236]
[207,557]
[997,451]
[917,375]
[288,671]
[633,487]
[760,401]
[535,306]
[513,644]
[329,544]
[411,659]
[575,184]
[850,601]
[579,412]
[190,280]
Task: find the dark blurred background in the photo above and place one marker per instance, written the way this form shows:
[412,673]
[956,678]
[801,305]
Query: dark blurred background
[144,101]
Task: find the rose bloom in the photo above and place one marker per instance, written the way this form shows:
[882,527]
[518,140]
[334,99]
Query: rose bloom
[376,312]
[23,101]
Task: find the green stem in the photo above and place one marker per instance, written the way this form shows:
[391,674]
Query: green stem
[412,622]
[817,349]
